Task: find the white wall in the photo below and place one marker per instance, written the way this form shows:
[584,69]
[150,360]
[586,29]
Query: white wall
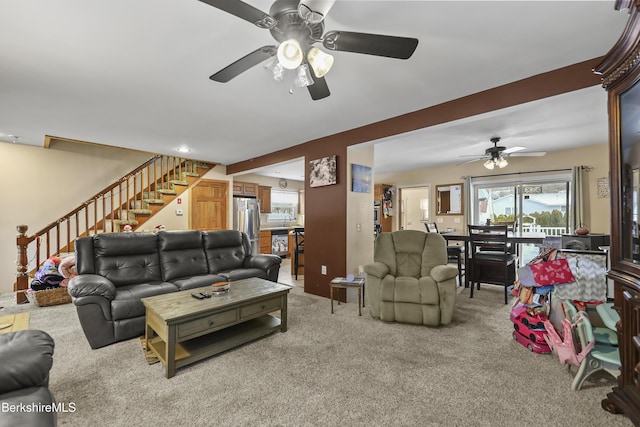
[39,185]
[359,218]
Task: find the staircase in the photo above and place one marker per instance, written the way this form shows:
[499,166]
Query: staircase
[130,201]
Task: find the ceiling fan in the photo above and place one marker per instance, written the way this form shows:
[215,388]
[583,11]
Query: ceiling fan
[297,25]
[496,155]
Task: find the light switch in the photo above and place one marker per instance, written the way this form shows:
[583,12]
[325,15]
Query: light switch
[179,212]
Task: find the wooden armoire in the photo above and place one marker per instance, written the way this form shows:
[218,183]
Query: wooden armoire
[620,71]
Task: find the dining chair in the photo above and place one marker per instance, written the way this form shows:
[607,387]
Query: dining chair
[298,234]
[455,253]
[496,266]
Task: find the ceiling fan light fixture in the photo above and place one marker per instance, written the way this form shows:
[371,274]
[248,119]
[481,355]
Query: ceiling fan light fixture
[489,164]
[501,162]
[278,72]
[290,54]
[303,76]
[320,61]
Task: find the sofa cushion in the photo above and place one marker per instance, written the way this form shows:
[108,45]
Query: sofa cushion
[181,254]
[127,301]
[225,250]
[185,283]
[244,273]
[127,258]
[27,357]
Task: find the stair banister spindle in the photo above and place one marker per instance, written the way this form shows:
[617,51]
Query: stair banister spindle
[57,240]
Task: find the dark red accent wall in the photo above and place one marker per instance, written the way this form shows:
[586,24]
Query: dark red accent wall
[326,207]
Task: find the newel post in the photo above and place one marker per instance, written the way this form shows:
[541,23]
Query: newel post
[22,277]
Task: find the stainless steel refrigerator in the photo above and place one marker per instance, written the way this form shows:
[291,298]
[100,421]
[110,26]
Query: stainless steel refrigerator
[246,218]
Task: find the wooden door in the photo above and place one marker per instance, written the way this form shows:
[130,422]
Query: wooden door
[209,205]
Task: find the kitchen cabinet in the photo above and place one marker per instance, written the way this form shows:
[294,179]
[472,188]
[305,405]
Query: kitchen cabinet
[264,195]
[265,241]
[245,189]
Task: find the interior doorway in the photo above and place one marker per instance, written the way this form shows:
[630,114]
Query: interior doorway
[414,207]
[209,205]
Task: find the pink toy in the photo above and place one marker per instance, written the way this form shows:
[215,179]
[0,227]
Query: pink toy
[532,346]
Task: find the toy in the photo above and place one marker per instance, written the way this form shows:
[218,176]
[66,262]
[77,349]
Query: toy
[529,328]
[531,345]
[67,269]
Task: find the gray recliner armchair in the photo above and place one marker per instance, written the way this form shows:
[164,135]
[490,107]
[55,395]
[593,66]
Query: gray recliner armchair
[410,280]
[26,359]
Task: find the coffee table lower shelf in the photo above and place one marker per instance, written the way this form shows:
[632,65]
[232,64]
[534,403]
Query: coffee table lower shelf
[208,345]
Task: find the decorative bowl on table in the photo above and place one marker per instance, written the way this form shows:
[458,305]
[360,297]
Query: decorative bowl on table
[582,230]
[220,288]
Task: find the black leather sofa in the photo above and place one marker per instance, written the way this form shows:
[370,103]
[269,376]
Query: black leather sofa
[117,270]
[26,358]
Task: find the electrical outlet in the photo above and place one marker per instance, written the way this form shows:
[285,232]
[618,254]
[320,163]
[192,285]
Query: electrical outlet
[323,270]
[456,220]
[440,220]
[358,227]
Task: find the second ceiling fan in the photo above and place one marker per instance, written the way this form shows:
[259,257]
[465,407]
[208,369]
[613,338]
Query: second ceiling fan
[297,26]
[496,155]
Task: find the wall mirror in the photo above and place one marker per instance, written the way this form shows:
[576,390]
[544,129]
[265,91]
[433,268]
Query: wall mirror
[449,199]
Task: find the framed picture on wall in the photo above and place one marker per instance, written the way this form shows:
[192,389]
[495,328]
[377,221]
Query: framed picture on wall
[323,172]
[360,178]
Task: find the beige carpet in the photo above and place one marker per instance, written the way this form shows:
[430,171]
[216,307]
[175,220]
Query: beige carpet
[328,370]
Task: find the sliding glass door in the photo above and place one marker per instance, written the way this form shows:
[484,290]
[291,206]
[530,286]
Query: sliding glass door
[535,202]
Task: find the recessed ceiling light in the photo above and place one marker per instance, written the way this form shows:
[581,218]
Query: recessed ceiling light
[184,149]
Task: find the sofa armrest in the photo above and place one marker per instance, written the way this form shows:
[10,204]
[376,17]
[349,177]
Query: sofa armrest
[377,269]
[262,261]
[86,285]
[444,272]
[27,357]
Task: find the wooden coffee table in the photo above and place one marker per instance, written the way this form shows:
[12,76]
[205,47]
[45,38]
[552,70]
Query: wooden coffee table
[14,322]
[181,329]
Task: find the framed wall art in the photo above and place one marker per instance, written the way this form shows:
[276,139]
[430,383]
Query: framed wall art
[360,178]
[323,172]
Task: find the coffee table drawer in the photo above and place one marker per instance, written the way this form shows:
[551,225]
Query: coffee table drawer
[262,307]
[207,324]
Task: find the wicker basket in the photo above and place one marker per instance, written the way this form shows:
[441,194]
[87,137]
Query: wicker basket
[49,297]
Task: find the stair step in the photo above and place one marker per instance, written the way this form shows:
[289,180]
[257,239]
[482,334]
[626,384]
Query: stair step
[167,191]
[177,182]
[154,201]
[141,211]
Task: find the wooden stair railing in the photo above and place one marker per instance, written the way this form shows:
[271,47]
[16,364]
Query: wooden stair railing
[116,205]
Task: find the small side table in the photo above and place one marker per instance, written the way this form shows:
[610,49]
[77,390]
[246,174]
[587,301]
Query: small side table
[343,283]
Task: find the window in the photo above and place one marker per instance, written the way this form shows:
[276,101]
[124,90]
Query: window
[284,206]
[537,201]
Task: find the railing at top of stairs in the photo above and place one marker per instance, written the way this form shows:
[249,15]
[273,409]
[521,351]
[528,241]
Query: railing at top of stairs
[99,214]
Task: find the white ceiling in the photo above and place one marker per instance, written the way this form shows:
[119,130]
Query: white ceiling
[135,74]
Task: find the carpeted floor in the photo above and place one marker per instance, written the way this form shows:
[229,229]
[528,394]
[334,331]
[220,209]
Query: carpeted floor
[328,370]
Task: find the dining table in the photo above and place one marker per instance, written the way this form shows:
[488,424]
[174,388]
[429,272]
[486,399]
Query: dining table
[513,237]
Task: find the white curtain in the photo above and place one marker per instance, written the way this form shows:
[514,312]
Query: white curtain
[577,207]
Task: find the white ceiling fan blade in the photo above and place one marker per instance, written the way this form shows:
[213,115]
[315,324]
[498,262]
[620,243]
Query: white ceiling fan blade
[514,149]
[471,161]
[528,154]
